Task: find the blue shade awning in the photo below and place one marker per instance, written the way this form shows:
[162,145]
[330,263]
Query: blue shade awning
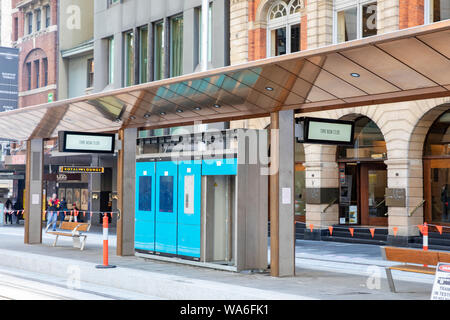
[406,65]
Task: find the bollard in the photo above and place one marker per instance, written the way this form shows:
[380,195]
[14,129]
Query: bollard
[105,245]
[425,239]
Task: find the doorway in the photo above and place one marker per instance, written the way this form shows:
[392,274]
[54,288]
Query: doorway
[362,190]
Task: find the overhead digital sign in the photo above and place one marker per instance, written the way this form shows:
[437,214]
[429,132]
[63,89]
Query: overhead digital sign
[9,66]
[86,142]
[324,131]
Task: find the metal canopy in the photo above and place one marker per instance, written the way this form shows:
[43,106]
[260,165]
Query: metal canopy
[404,65]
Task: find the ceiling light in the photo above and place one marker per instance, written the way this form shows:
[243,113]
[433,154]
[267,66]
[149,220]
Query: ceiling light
[355,75]
[162,113]
[180,111]
[217,106]
[147,115]
[132,118]
[197,108]
[269,88]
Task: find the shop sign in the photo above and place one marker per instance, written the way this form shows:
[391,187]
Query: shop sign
[61,177]
[86,142]
[324,131]
[441,287]
[81,170]
[353,214]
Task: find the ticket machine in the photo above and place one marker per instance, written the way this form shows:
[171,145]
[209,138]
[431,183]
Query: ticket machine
[203,197]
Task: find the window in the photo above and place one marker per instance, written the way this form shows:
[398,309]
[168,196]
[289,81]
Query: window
[145,193]
[129,58]
[166,193]
[37,73]
[30,22]
[437,10]
[111,2]
[47,16]
[38,20]
[159,51]
[143,54]
[29,76]
[199,36]
[356,21]
[110,60]
[16,29]
[283,27]
[176,46]
[45,66]
[90,73]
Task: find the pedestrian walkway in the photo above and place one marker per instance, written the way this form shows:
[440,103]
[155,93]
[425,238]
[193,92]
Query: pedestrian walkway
[323,271]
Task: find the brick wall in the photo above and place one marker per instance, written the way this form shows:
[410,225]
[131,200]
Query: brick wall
[411,13]
[36,47]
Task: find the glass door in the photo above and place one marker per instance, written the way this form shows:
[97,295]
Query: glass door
[437,191]
[372,189]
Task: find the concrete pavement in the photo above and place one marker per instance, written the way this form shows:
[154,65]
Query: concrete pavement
[323,271]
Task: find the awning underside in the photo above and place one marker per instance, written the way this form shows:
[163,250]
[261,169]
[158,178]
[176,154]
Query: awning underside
[404,65]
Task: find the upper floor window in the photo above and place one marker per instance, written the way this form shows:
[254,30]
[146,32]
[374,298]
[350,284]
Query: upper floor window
[47,16]
[110,60]
[176,46]
[199,35]
[356,21]
[30,23]
[283,27]
[38,19]
[129,58]
[159,51]
[143,54]
[437,10]
[90,73]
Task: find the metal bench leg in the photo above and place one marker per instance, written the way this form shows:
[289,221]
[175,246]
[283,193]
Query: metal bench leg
[390,279]
[56,239]
[83,242]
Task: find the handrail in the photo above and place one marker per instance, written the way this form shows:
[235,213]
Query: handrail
[417,207]
[329,205]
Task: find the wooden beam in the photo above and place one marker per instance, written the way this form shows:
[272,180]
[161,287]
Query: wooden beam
[274,196]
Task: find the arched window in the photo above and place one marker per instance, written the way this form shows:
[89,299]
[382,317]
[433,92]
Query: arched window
[436,171]
[283,27]
[369,142]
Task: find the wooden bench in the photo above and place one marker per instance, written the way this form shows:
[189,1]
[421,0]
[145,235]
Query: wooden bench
[414,260]
[75,230]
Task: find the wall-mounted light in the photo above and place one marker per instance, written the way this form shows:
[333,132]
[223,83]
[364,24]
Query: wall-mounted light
[95,196]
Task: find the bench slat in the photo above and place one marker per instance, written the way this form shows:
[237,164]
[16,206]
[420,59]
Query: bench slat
[416,269]
[444,257]
[408,255]
[72,225]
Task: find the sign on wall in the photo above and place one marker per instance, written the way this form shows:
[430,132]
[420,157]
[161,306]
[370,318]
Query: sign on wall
[9,66]
[86,142]
[324,131]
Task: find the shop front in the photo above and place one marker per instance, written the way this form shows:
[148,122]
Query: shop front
[363,177]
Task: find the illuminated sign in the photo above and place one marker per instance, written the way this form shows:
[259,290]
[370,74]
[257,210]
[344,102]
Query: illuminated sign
[86,142]
[324,131]
[81,170]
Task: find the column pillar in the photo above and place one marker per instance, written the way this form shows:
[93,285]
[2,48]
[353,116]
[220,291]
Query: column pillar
[322,189]
[33,193]
[126,175]
[282,229]
[406,175]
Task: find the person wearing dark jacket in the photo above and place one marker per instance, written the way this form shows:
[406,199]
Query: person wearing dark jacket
[8,212]
[63,208]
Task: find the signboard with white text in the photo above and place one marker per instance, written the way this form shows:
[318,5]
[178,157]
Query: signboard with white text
[86,142]
[441,287]
[324,131]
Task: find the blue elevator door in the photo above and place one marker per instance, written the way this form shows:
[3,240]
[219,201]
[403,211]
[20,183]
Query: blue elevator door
[145,207]
[166,207]
[189,211]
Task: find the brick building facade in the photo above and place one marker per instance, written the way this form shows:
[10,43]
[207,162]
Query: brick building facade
[35,33]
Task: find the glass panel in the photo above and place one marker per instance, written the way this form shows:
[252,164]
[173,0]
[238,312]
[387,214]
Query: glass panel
[347,25]
[376,191]
[438,139]
[189,187]
[348,197]
[369,19]
[129,55]
[299,199]
[176,47]
[369,142]
[166,194]
[110,60]
[143,54]
[295,38]
[159,51]
[278,37]
[145,193]
[440,194]
[440,10]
